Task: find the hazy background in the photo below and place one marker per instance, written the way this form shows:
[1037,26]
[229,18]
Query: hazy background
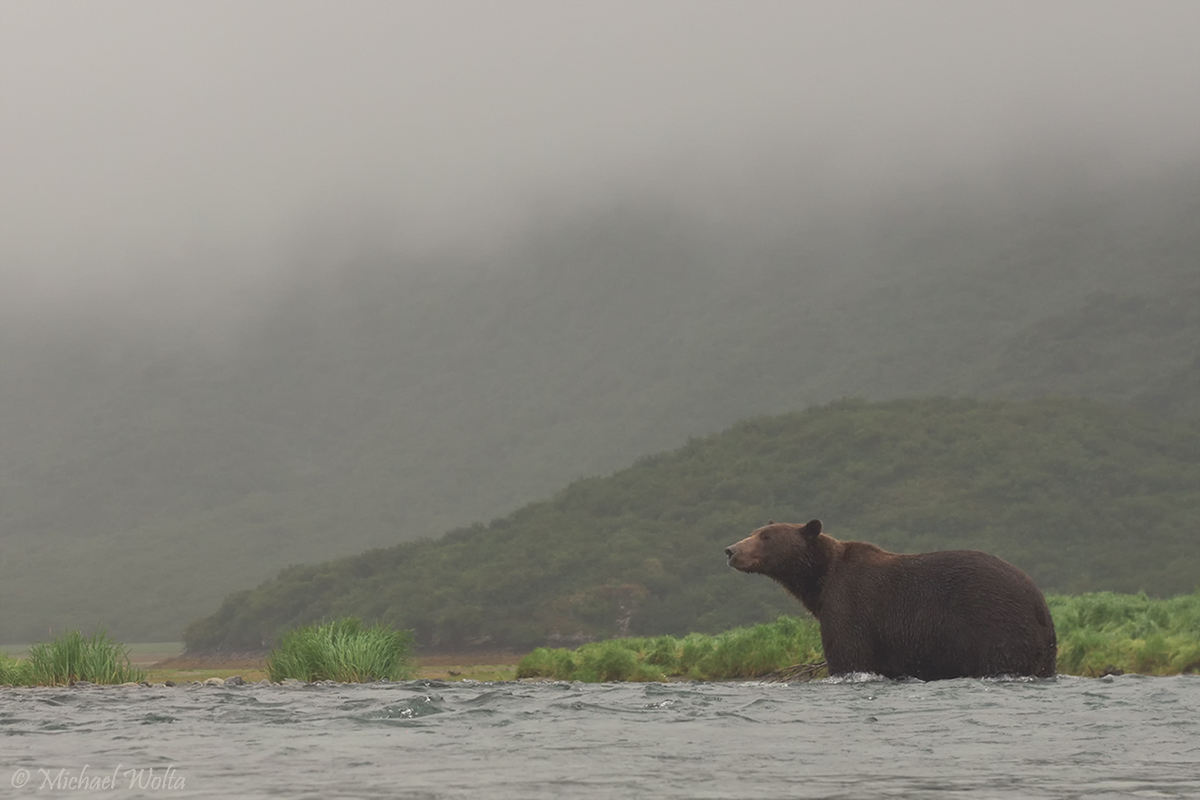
[283,281]
[151,150]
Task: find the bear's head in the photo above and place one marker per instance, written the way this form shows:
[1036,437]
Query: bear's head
[775,548]
[797,556]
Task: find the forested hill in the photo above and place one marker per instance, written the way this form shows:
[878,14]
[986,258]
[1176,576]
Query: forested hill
[146,472]
[1081,495]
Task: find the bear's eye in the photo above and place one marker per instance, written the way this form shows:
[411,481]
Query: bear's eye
[765,535]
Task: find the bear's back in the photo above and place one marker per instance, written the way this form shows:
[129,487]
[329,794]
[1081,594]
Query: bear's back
[934,615]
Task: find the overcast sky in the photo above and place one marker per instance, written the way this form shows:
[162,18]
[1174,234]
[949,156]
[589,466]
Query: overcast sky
[150,132]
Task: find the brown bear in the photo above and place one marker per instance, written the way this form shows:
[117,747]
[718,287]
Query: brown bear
[953,614]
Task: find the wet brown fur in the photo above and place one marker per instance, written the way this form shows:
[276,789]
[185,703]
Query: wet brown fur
[957,613]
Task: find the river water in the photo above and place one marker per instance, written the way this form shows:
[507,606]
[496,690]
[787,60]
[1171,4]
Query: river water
[1121,737]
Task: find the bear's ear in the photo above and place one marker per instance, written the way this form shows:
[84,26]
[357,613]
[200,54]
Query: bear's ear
[770,522]
[812,529]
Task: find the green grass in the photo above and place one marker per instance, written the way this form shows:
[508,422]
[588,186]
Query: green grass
[12,672]
[1131,632]
[343,650]
[70,658]
[1097,633]
[738,653]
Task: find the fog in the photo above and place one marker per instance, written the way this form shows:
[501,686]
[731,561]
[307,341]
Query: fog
[165,149]
[293,280]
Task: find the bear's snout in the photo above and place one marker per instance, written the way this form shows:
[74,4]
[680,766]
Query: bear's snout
[738,558]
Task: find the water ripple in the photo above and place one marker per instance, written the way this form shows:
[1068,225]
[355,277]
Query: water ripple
[855,738]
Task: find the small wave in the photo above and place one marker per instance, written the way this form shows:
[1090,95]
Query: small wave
[414,708]
[154,719]
[854,677]
[488,699]
[1014,679]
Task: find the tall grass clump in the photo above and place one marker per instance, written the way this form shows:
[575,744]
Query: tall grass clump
[343,650]
[1101,631]
[740,653]
[760,649]
[72,657]
[13,672]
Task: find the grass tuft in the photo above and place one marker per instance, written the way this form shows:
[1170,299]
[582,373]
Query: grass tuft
[70,658]
[343,650]
[739,653]
[1102,632]
[13,672]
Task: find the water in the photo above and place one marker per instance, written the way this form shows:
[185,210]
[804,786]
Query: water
[1122,737]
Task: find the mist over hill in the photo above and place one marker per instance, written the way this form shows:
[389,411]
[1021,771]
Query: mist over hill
[385,398]
[1081,495]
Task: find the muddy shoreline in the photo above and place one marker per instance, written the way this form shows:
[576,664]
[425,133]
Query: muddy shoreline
[494,665]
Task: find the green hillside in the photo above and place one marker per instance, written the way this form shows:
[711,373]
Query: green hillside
[1081,495]
[1074,353]
[145,473]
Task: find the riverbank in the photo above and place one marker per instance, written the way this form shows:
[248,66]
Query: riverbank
[166,661]
[1099,634]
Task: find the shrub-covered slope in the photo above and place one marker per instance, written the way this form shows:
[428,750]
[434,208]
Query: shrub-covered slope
[145,473]
[1081,495]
